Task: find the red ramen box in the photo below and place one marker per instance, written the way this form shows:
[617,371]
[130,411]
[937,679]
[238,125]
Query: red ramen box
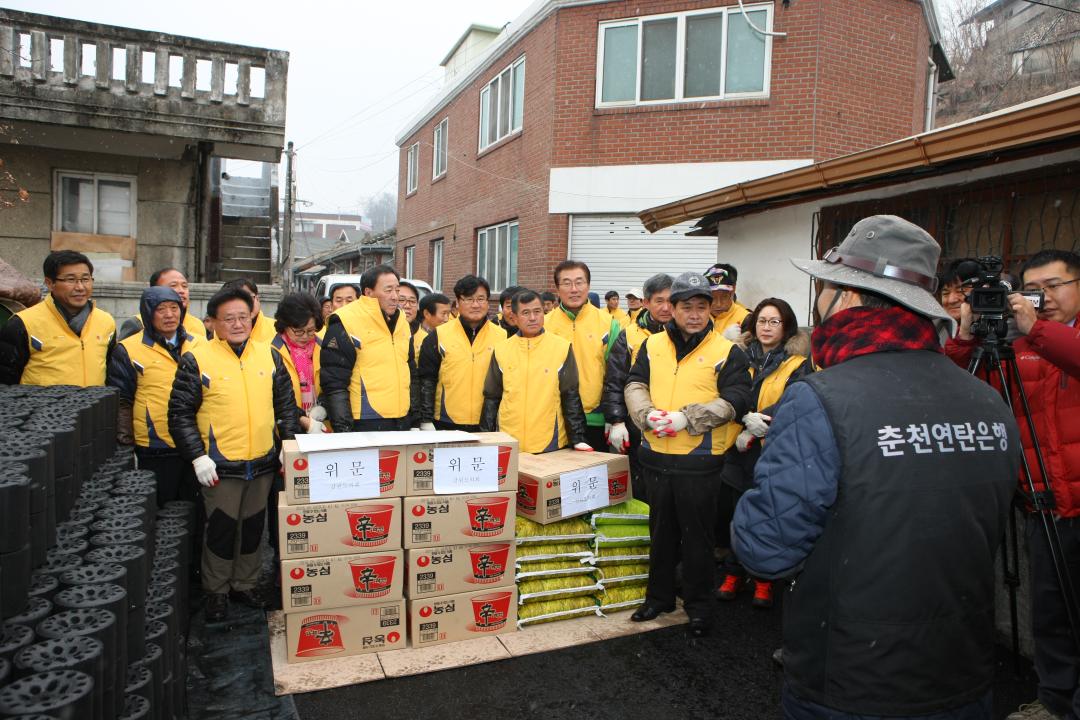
[339,632]
[341,528]
[477,613]
[341,580]
[420,469]
[567,483]
[299,470]
[448,519]
[458,568]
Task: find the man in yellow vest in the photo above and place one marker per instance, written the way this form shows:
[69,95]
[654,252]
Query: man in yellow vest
[684,392]
[262,327]
[611,307]
[142,368]
[727,313]
[231,402]
[624,437]
[64,339]
[531,389]
[434,311]
[454,360]
[175,280]
[634,305]
[590,331]
[367,359]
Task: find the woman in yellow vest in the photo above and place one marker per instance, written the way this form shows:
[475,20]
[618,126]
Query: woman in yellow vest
[231,402]
[531,390]
[142,368]
[64,339]
[454,359]
[684,392]
[778,353]
[297,321]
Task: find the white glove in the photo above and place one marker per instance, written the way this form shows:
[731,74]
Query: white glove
[317,413]
[745,440]
[756,423]
[583,447]
[414,429]
[205,471]
[669,423]
[656,419]
[619,438]
[315,427]
[427,427]
[607,431]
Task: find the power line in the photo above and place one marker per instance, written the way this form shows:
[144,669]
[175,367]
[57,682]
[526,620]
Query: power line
[1056,7]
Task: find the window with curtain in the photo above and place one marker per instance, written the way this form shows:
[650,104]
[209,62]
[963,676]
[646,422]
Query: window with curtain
[95,204]
[502,104]
[497,255]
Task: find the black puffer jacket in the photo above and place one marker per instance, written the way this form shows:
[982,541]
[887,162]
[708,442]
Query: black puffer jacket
[184,403]
[612,400]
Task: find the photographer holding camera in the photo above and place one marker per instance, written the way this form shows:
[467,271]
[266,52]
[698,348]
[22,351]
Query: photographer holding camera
[1048,359]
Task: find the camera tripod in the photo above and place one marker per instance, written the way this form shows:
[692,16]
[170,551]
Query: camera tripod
[995,356]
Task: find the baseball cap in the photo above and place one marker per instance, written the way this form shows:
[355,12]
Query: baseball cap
[688,285]
[719,278]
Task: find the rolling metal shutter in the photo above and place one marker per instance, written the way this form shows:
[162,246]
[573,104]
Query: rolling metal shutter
[622,254]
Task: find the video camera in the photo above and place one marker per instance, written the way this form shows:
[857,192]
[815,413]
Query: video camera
[989,293]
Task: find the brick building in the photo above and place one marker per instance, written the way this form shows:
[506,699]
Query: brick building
[579,115]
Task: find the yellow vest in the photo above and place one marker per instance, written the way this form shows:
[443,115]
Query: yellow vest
[379,387]
[734,315]
[60,357]
[633,314]
[674,385]
[635,336]
[773,386]
[236,417]
[459,395]
[155,370]
[278,344]
[262,329]
[417,340]
[531,409]
[618,316]
[588,333]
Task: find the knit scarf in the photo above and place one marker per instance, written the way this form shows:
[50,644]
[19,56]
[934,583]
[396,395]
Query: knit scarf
[862,331]
[303,360]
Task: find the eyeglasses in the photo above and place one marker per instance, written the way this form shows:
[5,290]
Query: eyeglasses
[236,319]
[302,332]
[579,283]
[771,322]
[473,301]
[73,281]
[406,301]
[1051,287]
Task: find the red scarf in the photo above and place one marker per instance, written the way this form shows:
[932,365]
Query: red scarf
[303,357]
[861,331]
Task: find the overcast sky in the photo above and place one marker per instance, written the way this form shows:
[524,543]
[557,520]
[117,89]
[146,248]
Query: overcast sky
[358,71]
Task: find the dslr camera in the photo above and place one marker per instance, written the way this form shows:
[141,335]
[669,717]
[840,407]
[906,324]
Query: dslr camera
[989,293]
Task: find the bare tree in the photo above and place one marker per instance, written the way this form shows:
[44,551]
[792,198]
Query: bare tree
[381,211]
[10,190]
[1005,61]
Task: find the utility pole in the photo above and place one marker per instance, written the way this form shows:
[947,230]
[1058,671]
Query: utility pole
[290,209]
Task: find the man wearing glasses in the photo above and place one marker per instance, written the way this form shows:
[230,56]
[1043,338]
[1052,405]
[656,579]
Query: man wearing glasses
[454,362]
[1048,357]
[64,339]
[231,400]
[591,333]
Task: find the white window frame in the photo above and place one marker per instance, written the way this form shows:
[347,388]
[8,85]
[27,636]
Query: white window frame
[680,56]
[410,261]
[58,204]
[440,149]
[437,248]
[496,286]
[496,84]
[412,170]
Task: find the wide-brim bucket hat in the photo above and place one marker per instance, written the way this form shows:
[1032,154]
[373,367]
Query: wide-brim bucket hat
[891,256]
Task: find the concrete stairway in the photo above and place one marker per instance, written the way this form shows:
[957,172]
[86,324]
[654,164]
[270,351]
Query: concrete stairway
[245,230]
